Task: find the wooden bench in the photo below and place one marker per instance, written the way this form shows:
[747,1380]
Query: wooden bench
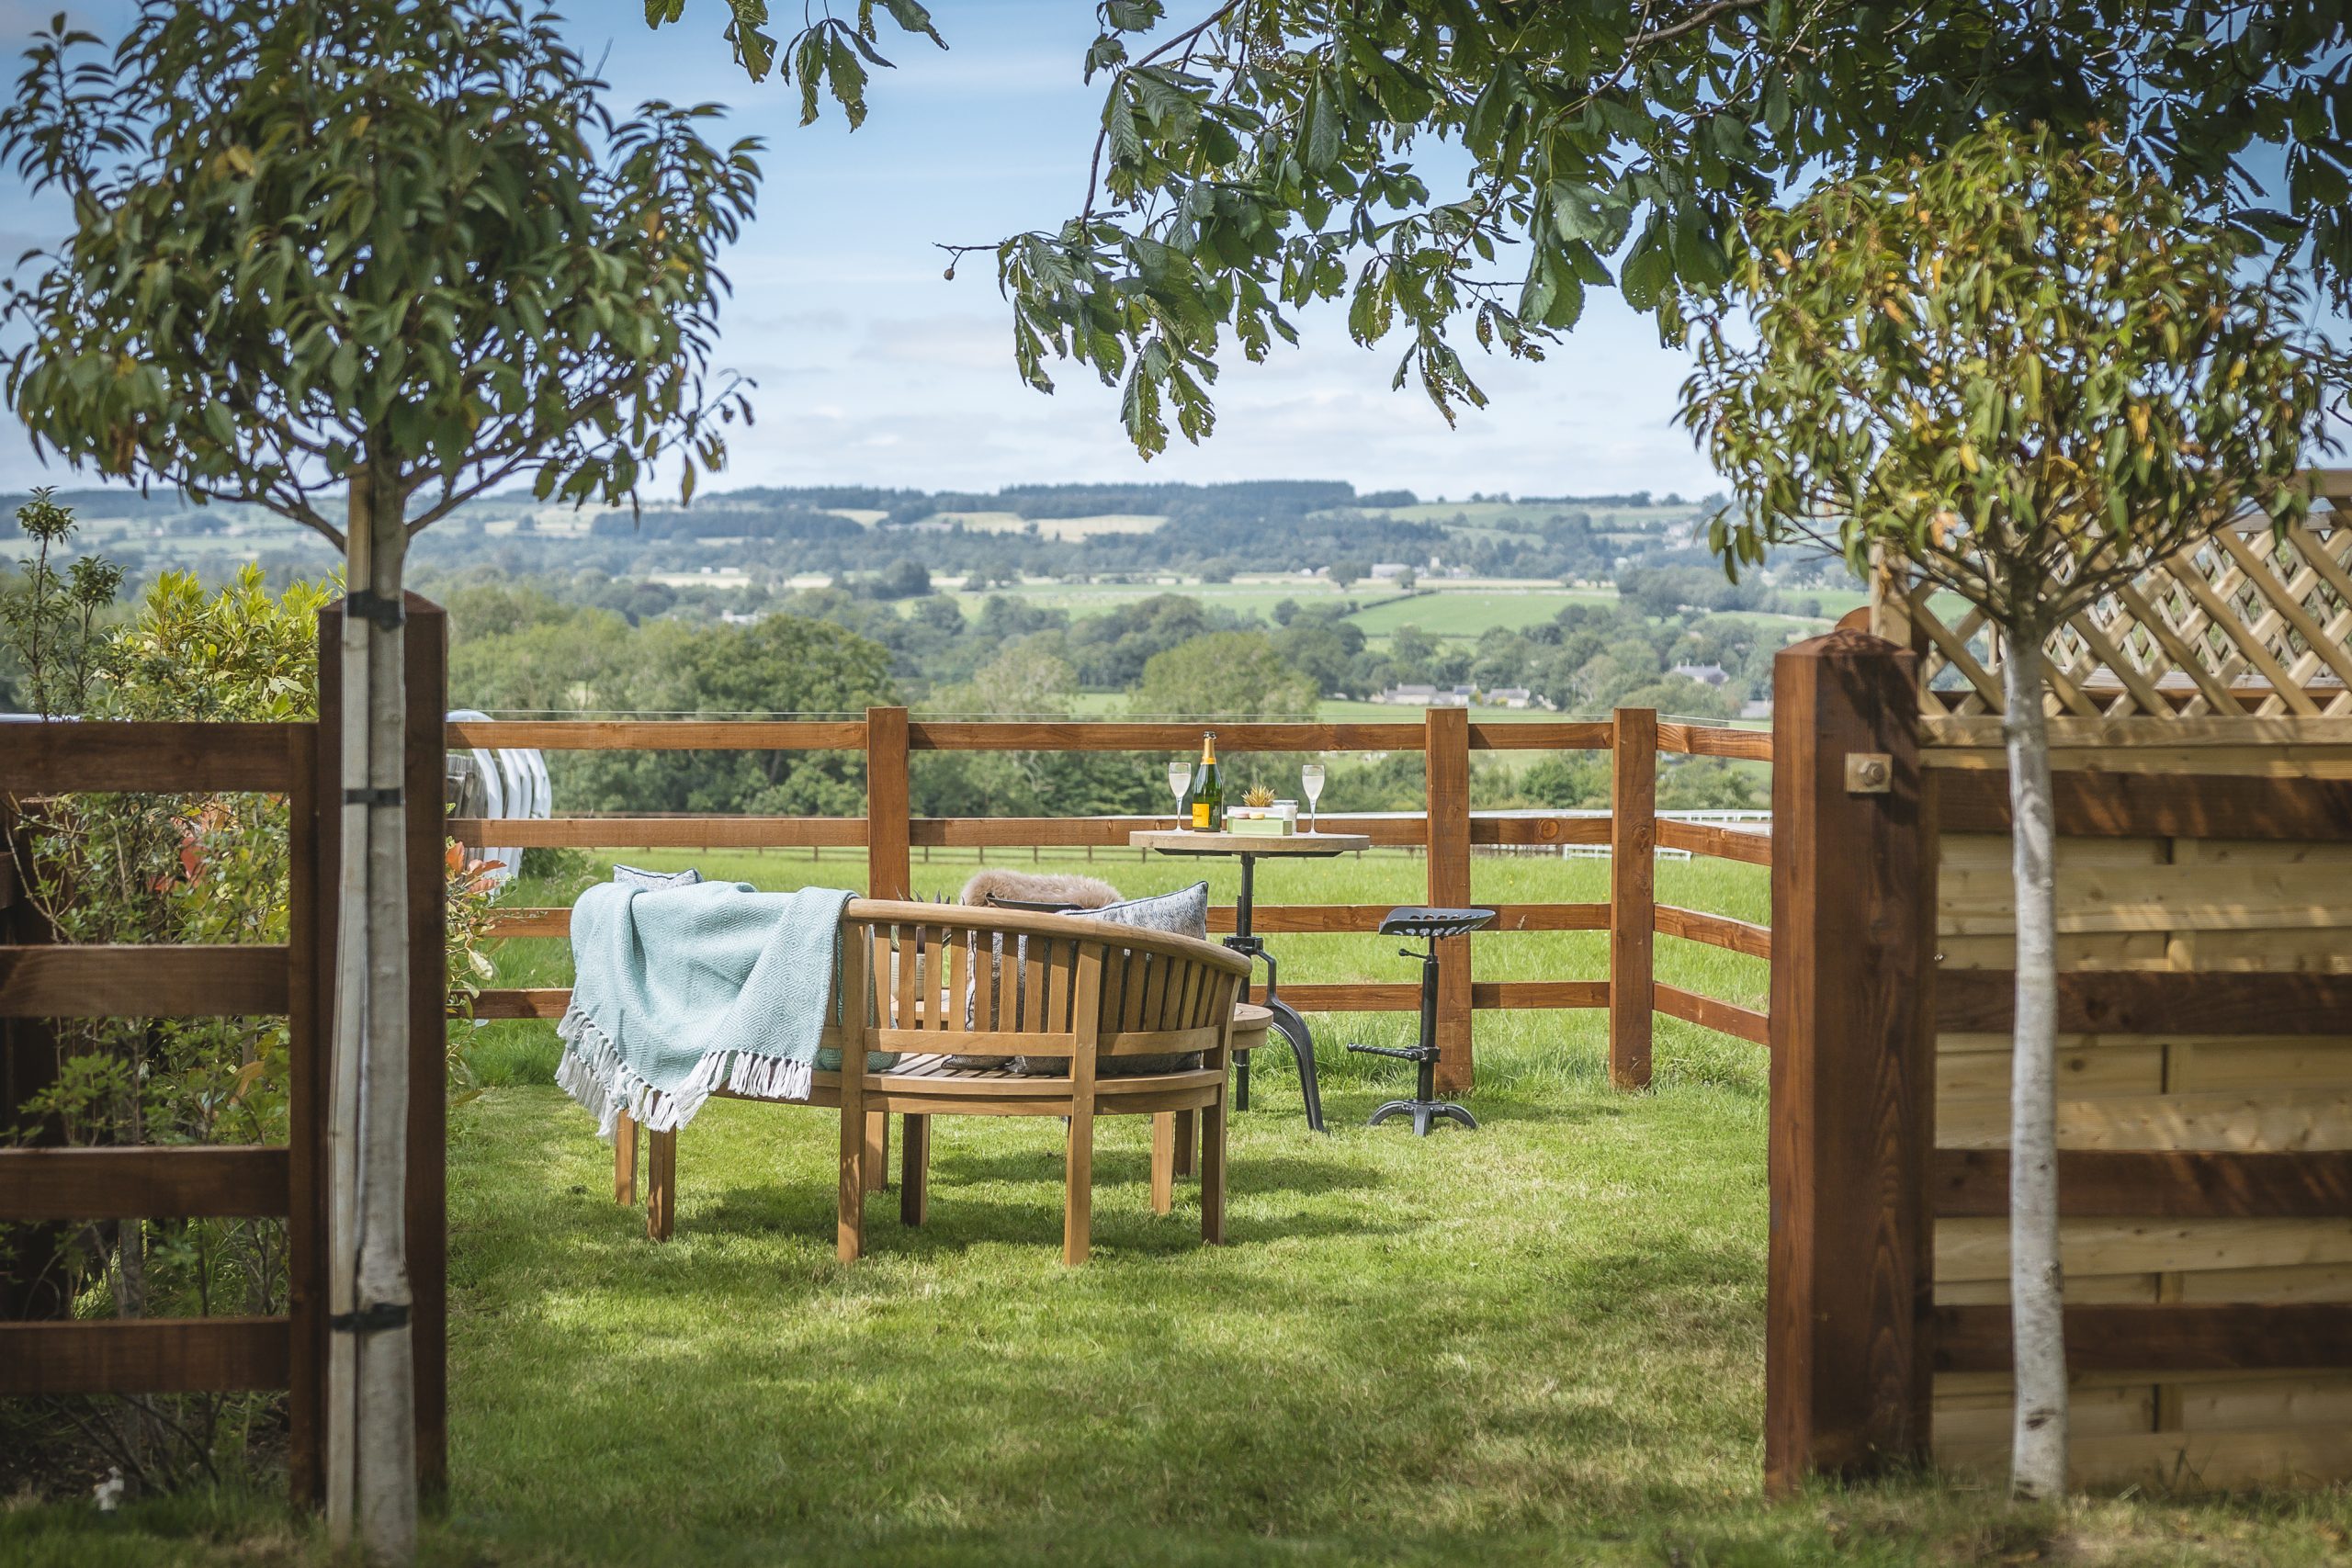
[1066,987]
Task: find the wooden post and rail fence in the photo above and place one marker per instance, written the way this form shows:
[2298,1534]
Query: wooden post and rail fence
[1446,833]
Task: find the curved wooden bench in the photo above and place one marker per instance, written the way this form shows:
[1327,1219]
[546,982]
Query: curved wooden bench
[959,982]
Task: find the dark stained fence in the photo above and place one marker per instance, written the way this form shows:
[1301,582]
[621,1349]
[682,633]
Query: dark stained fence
[43,1351]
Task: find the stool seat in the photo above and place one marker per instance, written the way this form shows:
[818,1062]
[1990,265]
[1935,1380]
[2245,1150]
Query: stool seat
[1421,920]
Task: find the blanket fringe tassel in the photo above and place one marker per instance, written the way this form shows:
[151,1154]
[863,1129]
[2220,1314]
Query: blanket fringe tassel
[593,1072]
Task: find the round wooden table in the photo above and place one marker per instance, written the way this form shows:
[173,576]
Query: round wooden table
[1249,848]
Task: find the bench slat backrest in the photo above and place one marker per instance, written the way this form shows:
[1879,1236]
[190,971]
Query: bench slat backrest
[984,982]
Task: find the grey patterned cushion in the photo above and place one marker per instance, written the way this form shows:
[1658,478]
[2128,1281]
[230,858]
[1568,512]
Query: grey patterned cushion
[1181,913]
[638,876]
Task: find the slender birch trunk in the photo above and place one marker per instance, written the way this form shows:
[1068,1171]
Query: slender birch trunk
[2037,1281]
[371,1429]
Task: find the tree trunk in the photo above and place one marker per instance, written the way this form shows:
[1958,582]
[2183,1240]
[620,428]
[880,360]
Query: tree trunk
[371,1424]
[2037,1281]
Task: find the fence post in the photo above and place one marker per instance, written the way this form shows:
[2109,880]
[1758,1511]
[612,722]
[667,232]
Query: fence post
[1846,1381]
[309,1030]
[1633,892]
[889,871]
[1446,768]
[425,758]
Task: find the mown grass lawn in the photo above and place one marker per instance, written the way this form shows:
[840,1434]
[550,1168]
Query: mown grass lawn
[1540,1343]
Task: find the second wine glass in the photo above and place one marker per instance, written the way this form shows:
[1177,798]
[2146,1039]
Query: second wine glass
[1180,779]
[1310,778]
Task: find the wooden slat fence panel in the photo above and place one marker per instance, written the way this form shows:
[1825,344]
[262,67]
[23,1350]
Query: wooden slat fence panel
[2163,1184]
[2174,1337]
[2205,1109]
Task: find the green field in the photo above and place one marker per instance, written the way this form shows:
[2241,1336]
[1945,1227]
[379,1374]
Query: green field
[1470,613]
[1065,529]
[1438,610]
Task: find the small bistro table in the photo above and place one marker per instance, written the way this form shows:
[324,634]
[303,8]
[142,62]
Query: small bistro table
[1248,847]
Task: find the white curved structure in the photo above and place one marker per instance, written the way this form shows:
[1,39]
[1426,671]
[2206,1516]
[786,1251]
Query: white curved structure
[510,782]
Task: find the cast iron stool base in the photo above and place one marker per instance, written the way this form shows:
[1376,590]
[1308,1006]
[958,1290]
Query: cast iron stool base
[1425,1108]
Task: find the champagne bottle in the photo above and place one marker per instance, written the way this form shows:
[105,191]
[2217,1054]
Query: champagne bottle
[1208,793]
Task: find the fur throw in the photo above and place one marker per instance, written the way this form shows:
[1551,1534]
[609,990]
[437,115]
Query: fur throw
[1032,887]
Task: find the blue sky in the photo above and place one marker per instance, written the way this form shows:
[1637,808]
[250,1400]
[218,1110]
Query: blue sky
[874,370]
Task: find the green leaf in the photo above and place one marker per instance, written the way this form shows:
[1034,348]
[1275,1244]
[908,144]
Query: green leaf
[1320,149]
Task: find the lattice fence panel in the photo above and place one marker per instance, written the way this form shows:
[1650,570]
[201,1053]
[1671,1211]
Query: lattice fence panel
[2251,622]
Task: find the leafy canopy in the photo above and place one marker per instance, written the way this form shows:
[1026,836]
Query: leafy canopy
[395,232]
[2030,368]
[1258,156]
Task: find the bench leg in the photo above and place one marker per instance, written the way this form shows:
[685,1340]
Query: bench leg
[849,1230]
[1163,1162]
[914,1171]
[662,1184]
[625,1161]
[1187,1141]
[877,1151]
[1077,1189]
[1213,1170]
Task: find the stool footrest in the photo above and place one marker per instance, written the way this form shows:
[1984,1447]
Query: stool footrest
[1402,1052]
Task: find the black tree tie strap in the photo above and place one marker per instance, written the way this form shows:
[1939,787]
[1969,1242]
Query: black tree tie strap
[373,1319]
[379,611]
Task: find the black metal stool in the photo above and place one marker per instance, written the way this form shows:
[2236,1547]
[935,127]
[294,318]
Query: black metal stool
[1427,925]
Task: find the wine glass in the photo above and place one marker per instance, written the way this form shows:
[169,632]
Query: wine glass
[1310,777]
[1180,779]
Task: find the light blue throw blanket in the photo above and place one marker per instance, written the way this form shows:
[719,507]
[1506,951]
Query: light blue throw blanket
[680,991]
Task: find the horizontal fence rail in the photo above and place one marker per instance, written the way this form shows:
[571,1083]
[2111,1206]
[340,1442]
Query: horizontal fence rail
[1445,833]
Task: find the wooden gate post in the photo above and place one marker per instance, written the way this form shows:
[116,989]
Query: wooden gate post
[1446,769]
[1846,1378]
[423,786]
[889,814]
[1633,893]
[887,811]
